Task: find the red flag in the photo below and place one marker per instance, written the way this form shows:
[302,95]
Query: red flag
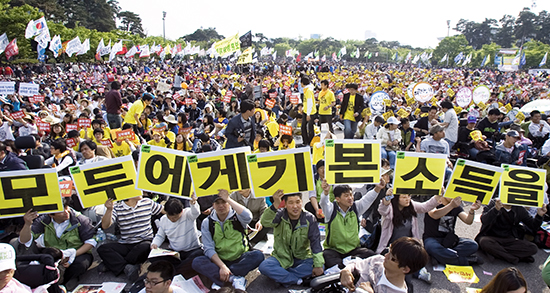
[334,56]
[178,48]
[12,49]
[97,56]
[124,51]
[299,58]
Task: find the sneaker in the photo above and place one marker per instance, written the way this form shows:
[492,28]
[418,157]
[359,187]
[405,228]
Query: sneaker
[527,259]
[132,272]
[102,268]
[425,276]
[215,286]
[474,259]
[239,283]
[299,282]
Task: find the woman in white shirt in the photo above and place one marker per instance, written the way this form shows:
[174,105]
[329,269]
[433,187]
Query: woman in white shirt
[390,137]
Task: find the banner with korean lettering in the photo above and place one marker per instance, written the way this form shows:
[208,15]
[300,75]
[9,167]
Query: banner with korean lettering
[21,191]
[419,173]
[7,88]
[522,186]
[226,169]
[28,89]
[290,170]
[227,45]
[165,171]
[351,161]
[97,182]
[473,181]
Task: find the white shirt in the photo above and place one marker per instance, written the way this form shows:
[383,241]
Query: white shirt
[534,129]
[371,131]
[174,289]
[59,229]
[451,131]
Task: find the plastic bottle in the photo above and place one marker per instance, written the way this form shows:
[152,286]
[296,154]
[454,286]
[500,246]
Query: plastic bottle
[100,236]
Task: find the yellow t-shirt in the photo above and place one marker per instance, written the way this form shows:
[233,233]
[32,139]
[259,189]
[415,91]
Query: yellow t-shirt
[348,115]
[309,102]
[171,136]
[136,108]
[161,143]
[326,100]
[121,150]
[318,153]
[90,133]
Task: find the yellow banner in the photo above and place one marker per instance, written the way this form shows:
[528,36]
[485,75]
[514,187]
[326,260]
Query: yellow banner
[228,45]
[460,274]
[32,189]
[350,161]
[419,173]
[164,171]
[97,182]
[522,186]
[225,169]
[246,56]
[289,170]
[473,181]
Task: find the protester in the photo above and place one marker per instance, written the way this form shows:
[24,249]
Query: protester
[390,137]
[159,279]
[507,280]
[351,109]
[7,268]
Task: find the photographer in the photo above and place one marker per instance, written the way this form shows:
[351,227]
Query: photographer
[240,130]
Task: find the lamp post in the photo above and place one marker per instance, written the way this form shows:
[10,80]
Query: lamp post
[448,27]
[163,26]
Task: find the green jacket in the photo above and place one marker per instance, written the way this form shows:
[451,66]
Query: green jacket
[230,242]
[79,230]
[302,242]
[342,233]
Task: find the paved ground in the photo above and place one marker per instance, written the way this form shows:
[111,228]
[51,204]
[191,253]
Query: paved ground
[260,284]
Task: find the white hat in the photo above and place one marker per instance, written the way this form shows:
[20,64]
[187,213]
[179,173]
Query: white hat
[393,120]
[171,119]
[7,257]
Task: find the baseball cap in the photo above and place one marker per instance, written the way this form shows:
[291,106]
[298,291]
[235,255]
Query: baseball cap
[219,198]
[7,257]
[436,128]
[512,133]
[472,119]
[385,171]
[393,120]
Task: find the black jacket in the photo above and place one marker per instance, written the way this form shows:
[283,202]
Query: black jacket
[235,126]
[12,163]
[358,106]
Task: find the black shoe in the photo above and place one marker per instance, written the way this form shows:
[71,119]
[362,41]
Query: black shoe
[132,272]
[102,268]
[474,259]
[306,281]
[528,259]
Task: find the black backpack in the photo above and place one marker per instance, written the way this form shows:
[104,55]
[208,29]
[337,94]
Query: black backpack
[35,275]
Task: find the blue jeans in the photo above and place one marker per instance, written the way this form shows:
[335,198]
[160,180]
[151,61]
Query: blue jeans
[239,267]
[451,143]
[272,268]
[454,256]
[350,127]
[114,120]
[390,155]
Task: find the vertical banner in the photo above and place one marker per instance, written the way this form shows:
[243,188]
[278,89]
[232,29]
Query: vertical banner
[165,171]
[522,186]
[473,181]
[110,179]
[352,161]
[290,170]
[21,191]
[419,173]
[226,169]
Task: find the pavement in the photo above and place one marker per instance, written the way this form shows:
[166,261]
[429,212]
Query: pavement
[258,283]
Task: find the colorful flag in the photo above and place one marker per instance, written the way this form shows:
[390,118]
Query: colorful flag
[459,57]
[523,61]
[542,62]
[12,49]
[324,58]
[55,45]
[144,51]
[3,42]
[334,57]
[484,61]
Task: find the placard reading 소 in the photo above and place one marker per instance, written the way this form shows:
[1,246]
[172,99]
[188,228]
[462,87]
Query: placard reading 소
[352,161]
[226,169]
[290,170]
[97,182]
[165,171]
[419,173]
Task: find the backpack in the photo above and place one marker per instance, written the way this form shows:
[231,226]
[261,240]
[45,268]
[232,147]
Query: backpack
[236,225]
[542,239]
[35,275]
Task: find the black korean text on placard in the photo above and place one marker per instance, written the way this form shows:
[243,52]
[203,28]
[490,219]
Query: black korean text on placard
[354,163]
[26,194]
[520,192]
[166,171]
[420,168]
[475,185]
[280,168]
[106,183]
[231,170]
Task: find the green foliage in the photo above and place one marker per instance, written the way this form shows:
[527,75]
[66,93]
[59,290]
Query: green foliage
[201,35]
[451,46]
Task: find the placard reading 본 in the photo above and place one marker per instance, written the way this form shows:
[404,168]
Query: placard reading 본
[522,186]
[419,173]
[352,161]
[21,191]
[165,171]
[97,182]
[226,169]
[473,181]
[290,170]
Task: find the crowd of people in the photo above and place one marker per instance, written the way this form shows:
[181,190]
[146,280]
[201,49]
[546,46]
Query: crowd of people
[205,106]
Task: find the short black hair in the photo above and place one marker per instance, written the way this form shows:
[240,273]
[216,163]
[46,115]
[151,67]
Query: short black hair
[115,85]
[409,253]
[352,86]
[99,130]
[173,207]
[379,119]
[247,105]
[92,145]
[305,80]
[325,82]
[496,111]
[446,105]
[165,268]
[147,97]
[338,190]
[264,144]
[73,134]
[404,121]
[286,196]
[534,112]
[433,108]
[59,144]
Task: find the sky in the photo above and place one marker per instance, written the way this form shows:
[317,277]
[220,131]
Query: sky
[417,23]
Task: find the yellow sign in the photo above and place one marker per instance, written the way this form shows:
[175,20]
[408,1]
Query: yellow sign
[473,181]
[522,186]
[21,191]
[289,170]
[482,106]
[97,182]
[349,161]
[387,102]
[417,111]
[387,115]
[165,171]
[246,56]
[520,116]
[228,45]
[403,113]
[225,169]
[458,109]
[419,173]
[508,107]
[450,93]
[410,101]
[460,274]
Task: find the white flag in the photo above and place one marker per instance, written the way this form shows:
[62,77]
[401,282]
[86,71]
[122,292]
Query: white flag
[542,62]
[85,47]
[73,46]
[31,30]
[116,48]
[144,51]
[3,42]
[56,45]
[100,46]
[105,50]
[274,55]
[131,52]
[443,59]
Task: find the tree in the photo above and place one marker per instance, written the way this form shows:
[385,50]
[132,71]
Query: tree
[201,34]
[451,46]
[524,29]
[505,35]
[131,22]
[543,24]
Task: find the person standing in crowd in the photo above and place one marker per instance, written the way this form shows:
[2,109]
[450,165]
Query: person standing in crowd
[310,111]
[326,102]
[450,123]
[132,117]
[351,109]
[240,130]
[113,102]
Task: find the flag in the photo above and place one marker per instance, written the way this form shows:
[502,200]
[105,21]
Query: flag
[357,53]
[308,56]
[523,60]
[459,57]
[131,52]
[123,51]
[31,30]
[264,51]
[3,42]
[542,62]
[395,56]
[178,48]
[55,45]
[443,59]
[342,52]
[299,57]
[12,49]
[334,57]
[64,47]
[114,50]
[366,54]
[430,56]
[415,59]
[484,61]
[162,55]
[73,46]
[316,54]
[370,55]
[274,55]
[227,45]
[106,49]
[246,56]
[168,50]
[41,53]
[488,59]
[408,58]
[100,46]
[517,59]
[85,47]
[246,40]
[144,51]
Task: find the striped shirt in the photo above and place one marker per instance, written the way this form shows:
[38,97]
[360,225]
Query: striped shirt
[135,222]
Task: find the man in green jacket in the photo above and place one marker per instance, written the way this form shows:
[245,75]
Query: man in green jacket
[297,251]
